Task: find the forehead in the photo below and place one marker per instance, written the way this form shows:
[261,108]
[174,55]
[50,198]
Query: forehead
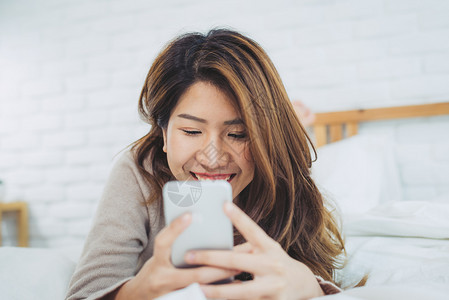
[206,101]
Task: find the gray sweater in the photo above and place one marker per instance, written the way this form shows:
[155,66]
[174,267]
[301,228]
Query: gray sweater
[122,235]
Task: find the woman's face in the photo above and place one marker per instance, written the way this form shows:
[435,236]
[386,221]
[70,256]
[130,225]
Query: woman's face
[206,140]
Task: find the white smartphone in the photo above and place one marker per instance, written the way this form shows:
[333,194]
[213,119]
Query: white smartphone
[210,227]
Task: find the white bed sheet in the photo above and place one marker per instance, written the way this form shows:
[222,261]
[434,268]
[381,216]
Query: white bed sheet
[397,268]
[403,247]
[397,260]
[392,292]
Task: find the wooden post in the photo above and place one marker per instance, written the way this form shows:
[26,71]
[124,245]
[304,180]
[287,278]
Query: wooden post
[21,210]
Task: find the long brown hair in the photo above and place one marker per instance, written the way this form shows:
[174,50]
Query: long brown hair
[282,198]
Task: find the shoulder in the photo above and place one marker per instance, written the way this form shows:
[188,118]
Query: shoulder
[126,173]
[127,162]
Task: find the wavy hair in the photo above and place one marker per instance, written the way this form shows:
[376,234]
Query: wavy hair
[282,198]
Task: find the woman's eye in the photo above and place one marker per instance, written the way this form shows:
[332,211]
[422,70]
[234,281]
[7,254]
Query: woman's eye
[238,135]
[192,132]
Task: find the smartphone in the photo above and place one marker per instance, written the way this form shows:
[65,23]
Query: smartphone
[210,227]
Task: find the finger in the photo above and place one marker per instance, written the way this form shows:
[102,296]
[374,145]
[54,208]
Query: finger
[252,263]
[239,290]
[180,278]
[244,248]
[204,275]
[246,226]
[165,238]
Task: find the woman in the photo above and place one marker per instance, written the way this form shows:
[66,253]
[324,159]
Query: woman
[217,110]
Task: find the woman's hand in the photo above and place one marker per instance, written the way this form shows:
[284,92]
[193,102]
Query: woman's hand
[276,274]
[305,115]
[158,276]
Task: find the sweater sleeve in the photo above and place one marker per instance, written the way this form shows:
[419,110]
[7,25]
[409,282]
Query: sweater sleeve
[118,238]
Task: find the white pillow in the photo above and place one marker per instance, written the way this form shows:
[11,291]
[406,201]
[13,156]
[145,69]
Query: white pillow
[358,173]
[32,273]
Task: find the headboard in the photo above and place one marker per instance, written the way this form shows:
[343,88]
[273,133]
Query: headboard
[333,126]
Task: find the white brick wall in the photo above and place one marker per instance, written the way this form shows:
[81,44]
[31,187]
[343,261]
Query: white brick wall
[71,73]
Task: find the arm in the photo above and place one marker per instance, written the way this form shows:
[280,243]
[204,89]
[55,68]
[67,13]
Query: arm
[118,261]
[118,240]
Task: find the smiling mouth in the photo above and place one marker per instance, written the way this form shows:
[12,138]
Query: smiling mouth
[205,176]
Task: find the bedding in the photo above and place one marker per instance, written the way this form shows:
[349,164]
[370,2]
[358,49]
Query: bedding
[403,246]
[359,172]
[34,274]
[398,292]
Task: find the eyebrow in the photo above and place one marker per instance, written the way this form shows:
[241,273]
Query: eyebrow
[193,118]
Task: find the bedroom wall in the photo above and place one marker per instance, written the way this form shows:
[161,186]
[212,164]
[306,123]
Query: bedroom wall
[71,73]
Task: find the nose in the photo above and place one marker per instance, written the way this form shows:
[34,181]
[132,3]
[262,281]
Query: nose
[213,154]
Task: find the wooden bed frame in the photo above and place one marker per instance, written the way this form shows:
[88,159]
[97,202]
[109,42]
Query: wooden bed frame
[333,126]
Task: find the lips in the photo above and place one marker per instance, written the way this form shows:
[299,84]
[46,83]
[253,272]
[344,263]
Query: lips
[207,176]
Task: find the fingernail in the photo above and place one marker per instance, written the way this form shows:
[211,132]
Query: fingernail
[190,257]
[186,218]
[228,207]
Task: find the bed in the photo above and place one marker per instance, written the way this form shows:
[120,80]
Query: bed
[403,246]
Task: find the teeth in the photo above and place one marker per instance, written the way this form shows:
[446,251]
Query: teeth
[211,178]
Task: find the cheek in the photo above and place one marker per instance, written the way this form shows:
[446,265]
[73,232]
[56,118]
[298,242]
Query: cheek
[179,151]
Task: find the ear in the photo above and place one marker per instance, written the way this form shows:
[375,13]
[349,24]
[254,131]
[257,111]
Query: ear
[164,134]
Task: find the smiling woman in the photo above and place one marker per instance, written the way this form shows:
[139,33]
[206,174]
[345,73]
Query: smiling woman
[218,110]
